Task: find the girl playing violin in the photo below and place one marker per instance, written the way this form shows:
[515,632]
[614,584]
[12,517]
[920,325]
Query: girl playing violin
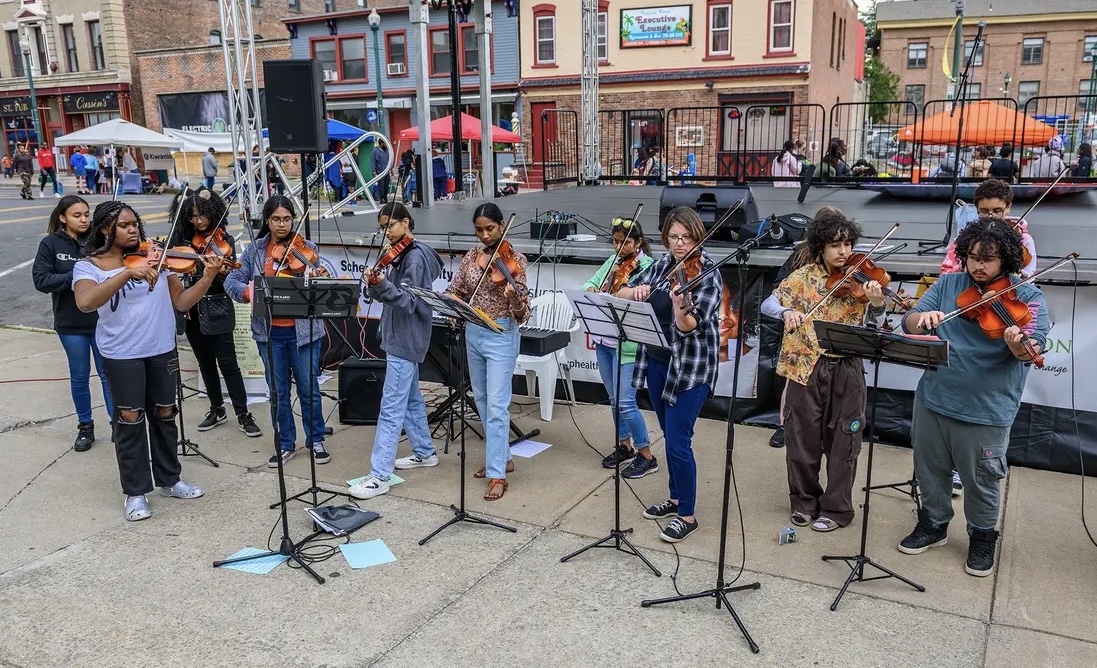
[201,215]
[295,345]
[825,401]
[681,379]
[633,255]
[491,356]
[136,336]
[963,412]
[405,336]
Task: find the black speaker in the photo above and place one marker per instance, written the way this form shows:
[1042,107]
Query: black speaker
[783,230]
[296,119]
[711,203]
[361,384]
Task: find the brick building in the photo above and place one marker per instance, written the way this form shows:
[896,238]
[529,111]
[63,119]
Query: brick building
[710,79]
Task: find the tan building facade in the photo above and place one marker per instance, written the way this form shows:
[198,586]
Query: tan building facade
[684,73]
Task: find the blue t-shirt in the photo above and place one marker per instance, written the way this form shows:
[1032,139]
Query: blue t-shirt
[984,380]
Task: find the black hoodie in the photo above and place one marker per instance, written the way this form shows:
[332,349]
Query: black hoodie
[52,273]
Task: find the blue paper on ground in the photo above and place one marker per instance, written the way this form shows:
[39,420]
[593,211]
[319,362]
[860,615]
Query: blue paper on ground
[258,566]
[369,553]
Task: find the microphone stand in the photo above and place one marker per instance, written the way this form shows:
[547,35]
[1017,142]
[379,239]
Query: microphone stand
[957,99]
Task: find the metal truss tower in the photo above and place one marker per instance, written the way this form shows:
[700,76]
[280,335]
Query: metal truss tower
[589,92]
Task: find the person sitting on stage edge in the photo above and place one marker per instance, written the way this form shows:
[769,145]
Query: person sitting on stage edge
[963,411]
[295,346]
[825,401]
[681,379]
[136,336]
[491,356]
[628,237]
[405,336]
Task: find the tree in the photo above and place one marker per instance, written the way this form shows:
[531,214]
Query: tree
[883,87]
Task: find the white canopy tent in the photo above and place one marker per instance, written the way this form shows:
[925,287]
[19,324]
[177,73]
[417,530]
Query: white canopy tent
[119,133]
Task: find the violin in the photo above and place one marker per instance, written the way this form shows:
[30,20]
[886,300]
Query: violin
[292,257]
[180,259]
[504,265]
[1015,225]
[684,274]
[388,257]
[1000,313]
[214,243]
[852,283]
[623,272]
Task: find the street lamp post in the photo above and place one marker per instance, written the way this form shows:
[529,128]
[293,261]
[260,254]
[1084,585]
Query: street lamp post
[24,44]
[1091,103]
[374,24]
[1007,79]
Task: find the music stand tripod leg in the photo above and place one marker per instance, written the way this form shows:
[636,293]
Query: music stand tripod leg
[187,447]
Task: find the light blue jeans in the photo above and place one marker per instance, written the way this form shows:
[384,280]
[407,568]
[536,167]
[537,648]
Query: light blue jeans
[289,358]
[402,408]
[80,349]
[631,422]
[491,360]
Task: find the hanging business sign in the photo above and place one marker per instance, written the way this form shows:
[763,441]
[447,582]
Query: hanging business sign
[15,106]
[199,112]
[657,26]
[90,103]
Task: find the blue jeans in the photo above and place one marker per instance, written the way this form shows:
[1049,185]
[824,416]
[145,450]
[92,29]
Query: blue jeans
[289,358]
[80,349]
[402,408]
[209,181]
[677,423]
[491,360]
[631,422]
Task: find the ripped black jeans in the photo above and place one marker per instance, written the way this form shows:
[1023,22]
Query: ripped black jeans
[144,392]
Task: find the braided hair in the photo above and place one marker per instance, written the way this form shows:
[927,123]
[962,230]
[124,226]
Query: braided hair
[992,236]
[100,236]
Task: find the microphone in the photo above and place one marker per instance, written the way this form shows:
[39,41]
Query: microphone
[776,232]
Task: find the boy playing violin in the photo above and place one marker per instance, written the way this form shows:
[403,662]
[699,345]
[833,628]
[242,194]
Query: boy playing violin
[825,401]
[963,412]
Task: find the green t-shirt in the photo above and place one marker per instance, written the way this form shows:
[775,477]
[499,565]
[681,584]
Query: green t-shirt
[628,350]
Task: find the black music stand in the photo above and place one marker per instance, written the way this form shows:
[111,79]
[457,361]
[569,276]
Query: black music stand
[452,307]
[876,346]
[187,447]
[625,321]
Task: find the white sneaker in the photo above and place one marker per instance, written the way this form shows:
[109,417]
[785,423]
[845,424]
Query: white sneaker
[137,508]
[369,488]
[415,462]
[182,490]
[57,195]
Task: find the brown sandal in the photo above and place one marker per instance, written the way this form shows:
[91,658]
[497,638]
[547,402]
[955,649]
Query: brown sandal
[493,484]
[483,472]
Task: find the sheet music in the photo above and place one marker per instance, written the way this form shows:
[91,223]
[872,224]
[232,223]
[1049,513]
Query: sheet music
[600,312]
[454,307]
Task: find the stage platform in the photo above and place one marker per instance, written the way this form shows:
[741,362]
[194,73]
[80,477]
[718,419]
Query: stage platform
[1060,226]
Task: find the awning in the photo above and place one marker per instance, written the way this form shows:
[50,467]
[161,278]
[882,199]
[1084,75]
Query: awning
[471,98]
[370,103]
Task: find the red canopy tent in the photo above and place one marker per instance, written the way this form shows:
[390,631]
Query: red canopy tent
[441,129]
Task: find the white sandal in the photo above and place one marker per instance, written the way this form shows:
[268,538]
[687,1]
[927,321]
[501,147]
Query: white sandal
[823,524]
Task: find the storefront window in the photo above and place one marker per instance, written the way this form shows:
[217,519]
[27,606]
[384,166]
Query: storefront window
[96,119]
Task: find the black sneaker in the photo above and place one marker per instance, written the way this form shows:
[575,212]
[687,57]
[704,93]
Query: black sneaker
[621,455]
[640,467]
[925,535]
[778,438]
[214,417]
[286,456]
[322,456]
[85,436]
[248,426]
[980,553]
[677,530]
[662,510]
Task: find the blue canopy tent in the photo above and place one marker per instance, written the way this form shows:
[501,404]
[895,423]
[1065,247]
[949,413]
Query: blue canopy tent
[339,131]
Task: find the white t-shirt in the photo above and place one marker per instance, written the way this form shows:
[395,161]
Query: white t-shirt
[134,323]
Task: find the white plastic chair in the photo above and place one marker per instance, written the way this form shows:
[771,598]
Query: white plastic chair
[551,310]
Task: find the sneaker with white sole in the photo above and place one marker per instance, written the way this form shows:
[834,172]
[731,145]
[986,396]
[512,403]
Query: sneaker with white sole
[286,455]
[415,462]
[214,417]
[321,455]
[678,530]
[369,488]
[248,426]
[182,490]
[957,485]
[137,508]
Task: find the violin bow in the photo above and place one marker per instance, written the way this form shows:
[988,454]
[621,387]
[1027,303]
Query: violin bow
[850,271]
[697,249]
[1012,288]
[494,254]
[288,241]
[1047,191]
[171,232]
[608,280]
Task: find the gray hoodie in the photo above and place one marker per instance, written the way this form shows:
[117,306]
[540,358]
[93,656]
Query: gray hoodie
[405,320]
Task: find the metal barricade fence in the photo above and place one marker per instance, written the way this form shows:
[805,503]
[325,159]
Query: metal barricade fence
[989,129]
[1074,118]
[870,133]
[626,136]
[698,145]
[763,131]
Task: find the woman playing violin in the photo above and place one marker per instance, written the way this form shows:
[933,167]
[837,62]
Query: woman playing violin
[405,336]
[201,224]
[963,412]
[491,356]
[825,402]
[680,379]
[631,255]
[136,336]
[295,345]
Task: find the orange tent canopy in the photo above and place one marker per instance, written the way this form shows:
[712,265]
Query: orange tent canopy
[985,122]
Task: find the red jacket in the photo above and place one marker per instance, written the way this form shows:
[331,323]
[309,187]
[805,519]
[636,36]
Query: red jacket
[45,158]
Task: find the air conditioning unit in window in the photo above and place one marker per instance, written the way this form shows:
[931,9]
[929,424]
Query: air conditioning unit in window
[397,69]
[331,75]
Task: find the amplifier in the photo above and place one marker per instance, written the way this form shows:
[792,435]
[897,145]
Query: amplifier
[552,229]
[361,384]
[711,203]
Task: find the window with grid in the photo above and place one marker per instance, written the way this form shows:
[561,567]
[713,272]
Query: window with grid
[968,46]
[719,30]
[324,51]
[780,25]
[917,55]
[396,46]
[1085,87]
[1025,91]
[95,35]
[72,64]
[352,59]
[470,50]
[16,54]
[1032,51]
[439,52]
[916,94]
[973,91]
[1088,45]
[603,36]
[546,39]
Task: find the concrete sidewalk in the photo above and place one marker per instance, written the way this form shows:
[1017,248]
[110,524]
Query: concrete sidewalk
[81,587]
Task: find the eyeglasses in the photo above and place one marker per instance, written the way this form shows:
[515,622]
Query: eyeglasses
[680,238]
[279,220]
[992,212]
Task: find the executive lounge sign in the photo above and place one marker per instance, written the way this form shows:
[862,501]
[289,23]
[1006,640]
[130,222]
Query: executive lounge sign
[90,103]
[15,106]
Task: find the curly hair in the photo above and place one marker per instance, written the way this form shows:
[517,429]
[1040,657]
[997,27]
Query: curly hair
[100,239]
[829,225]
[992,236]
[202,201]
[993,189]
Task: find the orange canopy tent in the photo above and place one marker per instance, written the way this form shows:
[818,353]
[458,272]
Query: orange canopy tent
[441,129]
[985,122]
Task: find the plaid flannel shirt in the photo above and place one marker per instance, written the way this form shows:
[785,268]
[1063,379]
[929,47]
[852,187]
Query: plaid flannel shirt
[695,355]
